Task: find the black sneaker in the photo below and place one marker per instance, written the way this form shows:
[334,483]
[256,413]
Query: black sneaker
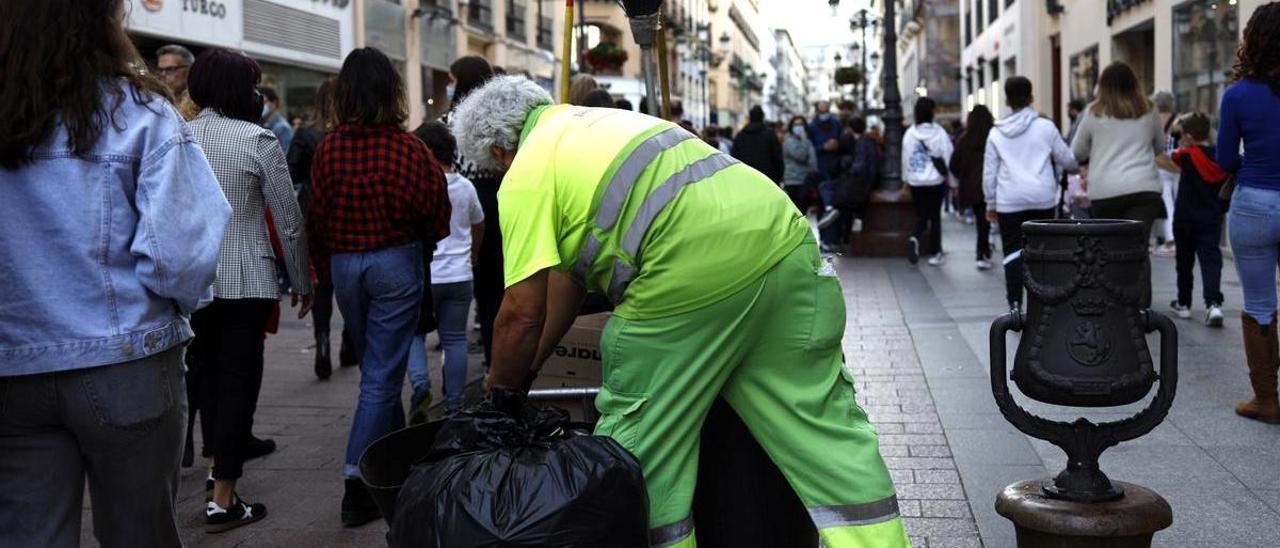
[258,448]
[913,250]
[357,506]
[218,519]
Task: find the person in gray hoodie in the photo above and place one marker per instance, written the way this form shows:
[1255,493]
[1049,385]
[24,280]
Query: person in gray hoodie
[799,160]
[1023,153]
[926,150]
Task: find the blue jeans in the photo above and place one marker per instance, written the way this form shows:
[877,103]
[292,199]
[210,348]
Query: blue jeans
[1254,231]
[827,192]
[379,293]
[453,304]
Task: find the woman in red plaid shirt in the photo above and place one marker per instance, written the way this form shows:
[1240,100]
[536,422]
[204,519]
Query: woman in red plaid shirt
[378,198]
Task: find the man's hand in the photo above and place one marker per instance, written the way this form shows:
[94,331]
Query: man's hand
[992,216]
[830,145]
[307,301]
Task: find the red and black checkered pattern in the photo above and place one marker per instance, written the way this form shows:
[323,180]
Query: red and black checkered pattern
[374,187]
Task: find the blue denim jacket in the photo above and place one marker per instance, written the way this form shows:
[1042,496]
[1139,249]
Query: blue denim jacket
[104,256]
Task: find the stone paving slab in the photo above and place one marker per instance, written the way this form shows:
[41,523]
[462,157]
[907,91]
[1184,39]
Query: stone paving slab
[894,392]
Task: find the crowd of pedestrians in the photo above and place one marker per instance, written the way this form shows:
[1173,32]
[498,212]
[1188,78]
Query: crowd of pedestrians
[206,207]
[1127,155]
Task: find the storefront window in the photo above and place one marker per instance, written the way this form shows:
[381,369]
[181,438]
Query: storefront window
[1204,45]
[1084,74]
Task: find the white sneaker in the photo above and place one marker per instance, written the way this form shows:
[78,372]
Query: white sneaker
[857,225]
[983,264]
[1213,318]
[829,217]
[937,260]
[1168,249]
[1183,311]
[913,250]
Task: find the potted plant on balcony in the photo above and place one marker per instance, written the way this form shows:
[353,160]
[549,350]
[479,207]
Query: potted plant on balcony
[607,56]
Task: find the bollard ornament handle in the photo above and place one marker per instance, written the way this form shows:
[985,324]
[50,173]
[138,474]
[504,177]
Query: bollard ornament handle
[1082,440]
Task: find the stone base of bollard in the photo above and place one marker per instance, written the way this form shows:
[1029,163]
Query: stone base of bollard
[1043,522]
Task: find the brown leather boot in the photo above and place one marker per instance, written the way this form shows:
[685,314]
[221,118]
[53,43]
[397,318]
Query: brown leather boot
[1262,350]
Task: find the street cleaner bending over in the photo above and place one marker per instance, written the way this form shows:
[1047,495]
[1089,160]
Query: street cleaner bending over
[719,290]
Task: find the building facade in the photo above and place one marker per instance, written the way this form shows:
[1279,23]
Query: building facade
[737,82]
[929,56]
[788,90]
[1186,47]
[298,43]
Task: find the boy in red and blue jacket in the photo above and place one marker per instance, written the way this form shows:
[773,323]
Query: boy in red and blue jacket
[1198,219]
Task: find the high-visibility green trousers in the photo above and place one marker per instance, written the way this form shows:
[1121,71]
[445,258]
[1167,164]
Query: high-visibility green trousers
[773,350]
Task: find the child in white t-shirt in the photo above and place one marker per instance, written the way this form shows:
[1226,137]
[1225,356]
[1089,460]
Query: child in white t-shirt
[451,289]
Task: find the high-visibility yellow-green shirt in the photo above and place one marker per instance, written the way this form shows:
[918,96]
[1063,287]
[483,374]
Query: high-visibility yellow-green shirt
[722,225]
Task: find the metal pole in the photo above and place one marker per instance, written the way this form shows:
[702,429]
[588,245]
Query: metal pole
[568,46]
[892,178]
[644,28]
[862,98]
[664,77]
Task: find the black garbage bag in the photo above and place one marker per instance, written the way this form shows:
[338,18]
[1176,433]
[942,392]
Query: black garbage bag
[491,480]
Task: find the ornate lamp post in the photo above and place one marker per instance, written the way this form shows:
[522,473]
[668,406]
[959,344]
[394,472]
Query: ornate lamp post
[892,116]
[1083,344]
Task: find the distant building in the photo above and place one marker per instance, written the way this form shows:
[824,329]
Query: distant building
[788,91]
[929,55]
[1187,48]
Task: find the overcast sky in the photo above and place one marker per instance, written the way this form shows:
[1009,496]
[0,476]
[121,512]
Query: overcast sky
[811,23]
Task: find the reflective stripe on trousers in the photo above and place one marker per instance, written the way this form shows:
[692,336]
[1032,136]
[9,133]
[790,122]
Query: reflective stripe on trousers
[671,534]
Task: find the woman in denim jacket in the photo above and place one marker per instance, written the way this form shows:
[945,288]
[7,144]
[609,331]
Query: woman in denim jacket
[112,223]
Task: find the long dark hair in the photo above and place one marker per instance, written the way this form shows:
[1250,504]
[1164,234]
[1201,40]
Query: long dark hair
[370,91]
[976,129]
[227,82]
[1120,94]
[57,58]
[1258,57]
[469,73]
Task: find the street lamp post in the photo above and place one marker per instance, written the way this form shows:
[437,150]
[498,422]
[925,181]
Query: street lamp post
[892,116]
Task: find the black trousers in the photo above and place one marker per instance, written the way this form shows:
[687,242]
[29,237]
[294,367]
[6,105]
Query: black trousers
[1199,239]
[984,230]
[1011,241]
[928,204]
[227,350]
[1145,207]
[799,195]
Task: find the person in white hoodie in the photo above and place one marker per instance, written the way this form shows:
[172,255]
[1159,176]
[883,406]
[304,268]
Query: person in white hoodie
[926,150]
[1018,176]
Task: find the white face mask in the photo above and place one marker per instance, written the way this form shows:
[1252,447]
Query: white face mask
[798,131]
[266,107]
[448,91]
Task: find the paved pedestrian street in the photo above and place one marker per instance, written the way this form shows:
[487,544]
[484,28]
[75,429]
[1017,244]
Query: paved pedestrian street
[917,344]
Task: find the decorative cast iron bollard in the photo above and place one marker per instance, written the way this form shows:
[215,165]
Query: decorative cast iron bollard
[1083,344]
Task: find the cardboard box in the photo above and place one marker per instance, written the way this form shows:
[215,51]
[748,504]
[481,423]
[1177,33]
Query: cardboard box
[576,360]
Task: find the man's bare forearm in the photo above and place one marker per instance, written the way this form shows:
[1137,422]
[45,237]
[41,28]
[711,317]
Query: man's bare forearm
[564,298]
[515,345]
[517,330]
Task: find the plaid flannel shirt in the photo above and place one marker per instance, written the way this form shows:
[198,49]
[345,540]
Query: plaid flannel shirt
[374,187]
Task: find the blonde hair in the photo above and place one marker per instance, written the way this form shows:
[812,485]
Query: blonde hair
[1120,94]
[579,87]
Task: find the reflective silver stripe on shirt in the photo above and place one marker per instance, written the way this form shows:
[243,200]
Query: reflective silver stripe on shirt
[652,206]
[850,515]
[671,534]
[619,187]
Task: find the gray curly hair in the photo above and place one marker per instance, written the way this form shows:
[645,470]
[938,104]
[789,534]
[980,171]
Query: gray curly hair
[493,115]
